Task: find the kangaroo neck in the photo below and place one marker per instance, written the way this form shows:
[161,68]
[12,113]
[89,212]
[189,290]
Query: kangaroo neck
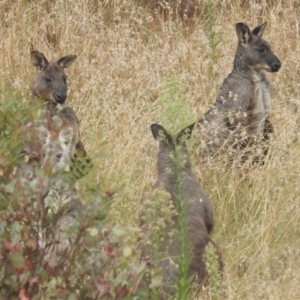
[241,70]
[172,176]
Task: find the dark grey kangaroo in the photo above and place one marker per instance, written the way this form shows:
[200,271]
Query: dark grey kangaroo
[241,111]
[199,212]
[50,85]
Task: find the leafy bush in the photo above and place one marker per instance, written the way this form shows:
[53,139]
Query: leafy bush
[53,244]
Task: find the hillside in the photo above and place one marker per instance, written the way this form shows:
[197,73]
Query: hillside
[127,53]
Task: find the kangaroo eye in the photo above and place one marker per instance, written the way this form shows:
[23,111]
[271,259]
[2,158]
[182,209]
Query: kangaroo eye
[65,78]
[48,79]
[261,50]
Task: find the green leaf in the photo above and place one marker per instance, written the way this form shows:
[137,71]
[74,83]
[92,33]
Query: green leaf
[143,294]
[139,268]
[84,291]
[9,188]
[72,297]
[156,281]
[17,260]
[127,251]
[118,232]
[93,231]
[2,227]
[52,283]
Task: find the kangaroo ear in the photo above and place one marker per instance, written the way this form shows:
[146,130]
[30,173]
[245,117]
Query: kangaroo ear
[185,134]
[259,30]
[66,61]
[39,60]
[243,33]
[161,134]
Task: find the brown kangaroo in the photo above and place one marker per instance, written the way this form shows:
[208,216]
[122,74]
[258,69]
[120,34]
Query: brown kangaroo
[50,85]
[241,111]
[199,212]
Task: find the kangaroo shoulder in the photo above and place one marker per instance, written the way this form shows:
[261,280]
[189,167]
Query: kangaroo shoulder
[236,91]
[238,84]
[69,111]
[68,114]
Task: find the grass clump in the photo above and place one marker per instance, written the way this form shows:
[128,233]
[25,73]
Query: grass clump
[173,111]
[184,282]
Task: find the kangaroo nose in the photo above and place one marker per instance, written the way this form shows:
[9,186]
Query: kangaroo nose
[60,98]
[276,66]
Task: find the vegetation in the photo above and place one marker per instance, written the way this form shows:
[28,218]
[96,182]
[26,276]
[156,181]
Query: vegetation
[127,53]
[93,260]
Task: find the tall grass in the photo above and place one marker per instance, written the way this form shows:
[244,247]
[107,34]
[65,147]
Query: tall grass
[125,56]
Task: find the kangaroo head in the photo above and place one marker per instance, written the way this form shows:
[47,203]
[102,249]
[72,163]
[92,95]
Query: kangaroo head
[253,51]
[168,144]
[50,82]
[165,139]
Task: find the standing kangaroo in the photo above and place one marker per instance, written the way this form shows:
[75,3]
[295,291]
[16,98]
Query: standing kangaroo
[50,85]
[240,114]
[44,178]
[61,197]
[199,212]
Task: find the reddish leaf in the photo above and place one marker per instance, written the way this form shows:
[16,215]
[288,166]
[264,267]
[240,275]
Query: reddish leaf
[110,193]
[12,248]
[8,246]
[102,286]
[28,265]
[20,215]
[34,280]
[17,246]
[122,291]
[22,295]
[105,233]
[108,249]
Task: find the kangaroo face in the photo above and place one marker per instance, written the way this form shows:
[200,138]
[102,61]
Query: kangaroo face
[50,82]
[253,51]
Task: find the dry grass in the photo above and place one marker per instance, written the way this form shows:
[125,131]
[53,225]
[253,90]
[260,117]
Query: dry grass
[125,56]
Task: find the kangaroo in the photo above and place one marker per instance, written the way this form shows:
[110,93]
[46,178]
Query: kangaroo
[50,85]
[53,193]
[199,209]
[241,111]
[61,197]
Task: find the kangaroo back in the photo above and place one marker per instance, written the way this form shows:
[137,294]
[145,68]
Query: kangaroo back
[169,173]
[175,177]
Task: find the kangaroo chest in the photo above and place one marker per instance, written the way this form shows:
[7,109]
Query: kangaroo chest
[262,102]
